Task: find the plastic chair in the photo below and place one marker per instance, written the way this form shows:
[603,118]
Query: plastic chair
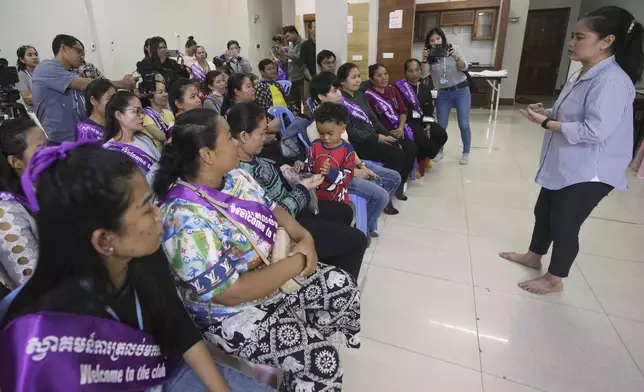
[286,85]
[279,113]
[360,205]
[311,104]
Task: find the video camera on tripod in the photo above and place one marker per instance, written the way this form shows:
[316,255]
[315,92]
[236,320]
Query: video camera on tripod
[9,95]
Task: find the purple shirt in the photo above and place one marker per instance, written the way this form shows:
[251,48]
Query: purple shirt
[596,138]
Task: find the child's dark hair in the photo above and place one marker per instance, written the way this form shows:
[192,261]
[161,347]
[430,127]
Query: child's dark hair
[210,79]
[328,112]
[244,117]
[322,83]
[13,141]
[178,92]
[373,68]
[96,89]
[118,103]
[629,37]
[21,52]
[192,131]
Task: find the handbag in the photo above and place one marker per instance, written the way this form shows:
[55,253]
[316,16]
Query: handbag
[474,89]
[281,247]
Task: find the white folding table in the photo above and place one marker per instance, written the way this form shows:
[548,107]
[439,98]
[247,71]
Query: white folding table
[493,78]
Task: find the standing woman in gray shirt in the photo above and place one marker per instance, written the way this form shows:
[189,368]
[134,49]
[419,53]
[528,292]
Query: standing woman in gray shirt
[27,61]
[588,142]
[448,75]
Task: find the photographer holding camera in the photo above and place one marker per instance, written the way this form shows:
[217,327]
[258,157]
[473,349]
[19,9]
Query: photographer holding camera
[447,68]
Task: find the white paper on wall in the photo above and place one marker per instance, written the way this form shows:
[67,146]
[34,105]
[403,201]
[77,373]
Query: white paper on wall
[356,57]
[387,55]
[396,19]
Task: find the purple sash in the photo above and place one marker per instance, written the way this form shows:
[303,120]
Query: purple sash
[256,217]
[197,72]
[214,102]
[142,159]
[408,92]
[282,73]
[70,352]
[158,121]
[86,131]
[356,111]
[390,113]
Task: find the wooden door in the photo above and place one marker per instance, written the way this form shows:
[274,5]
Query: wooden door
[543,43]
[358,40]
[395,45]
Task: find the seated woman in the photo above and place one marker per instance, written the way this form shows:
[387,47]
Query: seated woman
[27,61]
[105,281]
[97,95]
[215,253]
[159,61]
[214,88]
[428,134]
[184,96]
[280,46]
[241,90]
[370,139]
[336,242]
[158,120]
[387,104]
[123,131]
[188,57]
[232,59]
[19,139]
[201,66]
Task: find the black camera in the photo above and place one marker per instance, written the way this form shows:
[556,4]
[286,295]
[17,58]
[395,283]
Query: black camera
[9,96]
[148,85]
[438,50]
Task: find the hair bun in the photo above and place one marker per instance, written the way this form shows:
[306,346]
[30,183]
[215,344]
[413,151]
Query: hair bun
[191,37]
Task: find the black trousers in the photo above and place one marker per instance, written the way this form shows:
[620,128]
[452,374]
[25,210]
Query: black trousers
[428,147]
[398,157]
[297,93]
[558,218]
[336,242]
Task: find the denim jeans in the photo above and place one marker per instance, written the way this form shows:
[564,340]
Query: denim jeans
[377,193]
[185,380]
[461,99]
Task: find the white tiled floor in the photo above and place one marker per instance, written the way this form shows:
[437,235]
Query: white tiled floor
[442,312]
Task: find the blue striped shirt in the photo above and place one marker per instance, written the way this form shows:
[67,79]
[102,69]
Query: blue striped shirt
[596,139]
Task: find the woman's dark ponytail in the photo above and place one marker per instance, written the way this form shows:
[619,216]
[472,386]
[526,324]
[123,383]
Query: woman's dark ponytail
[169,169]
[13,141]
[629,37]
[631,57]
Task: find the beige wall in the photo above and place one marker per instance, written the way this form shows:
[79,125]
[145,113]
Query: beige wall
[514,46]
[261,31]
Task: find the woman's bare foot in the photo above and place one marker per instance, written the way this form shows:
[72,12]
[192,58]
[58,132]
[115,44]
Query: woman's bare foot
[546,284]
[530,260]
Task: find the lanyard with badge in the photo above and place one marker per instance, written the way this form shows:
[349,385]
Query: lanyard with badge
[444,79]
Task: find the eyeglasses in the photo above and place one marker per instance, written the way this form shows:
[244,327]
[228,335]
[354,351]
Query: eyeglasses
[80,51]
[136,110]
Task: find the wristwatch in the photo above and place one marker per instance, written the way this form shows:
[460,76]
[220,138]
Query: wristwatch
[545,122]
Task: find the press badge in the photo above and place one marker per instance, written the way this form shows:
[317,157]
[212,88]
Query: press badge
[444,80]
[415,114]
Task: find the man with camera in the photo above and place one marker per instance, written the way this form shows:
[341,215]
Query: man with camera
[58,89]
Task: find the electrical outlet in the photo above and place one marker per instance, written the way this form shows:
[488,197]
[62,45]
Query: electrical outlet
[93,46]
[176,34]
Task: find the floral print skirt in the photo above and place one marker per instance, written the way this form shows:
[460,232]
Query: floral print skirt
[299,334]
